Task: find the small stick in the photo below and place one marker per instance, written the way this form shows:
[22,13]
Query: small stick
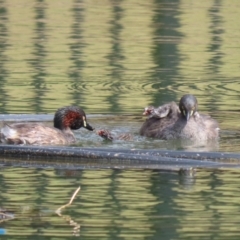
[58,211]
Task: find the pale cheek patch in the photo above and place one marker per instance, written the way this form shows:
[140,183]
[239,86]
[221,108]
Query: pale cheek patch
[84,122]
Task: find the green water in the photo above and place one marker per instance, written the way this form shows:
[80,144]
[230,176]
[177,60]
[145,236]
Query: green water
[116,57]
[120,204]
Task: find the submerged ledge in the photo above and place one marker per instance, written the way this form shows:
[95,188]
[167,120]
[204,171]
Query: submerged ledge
[105,157]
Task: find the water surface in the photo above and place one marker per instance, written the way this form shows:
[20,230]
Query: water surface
[118,56]
[120,204]
[113,58]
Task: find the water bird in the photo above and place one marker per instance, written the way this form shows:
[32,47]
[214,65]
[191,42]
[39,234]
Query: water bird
[107,135]
[65,120]
[170,121]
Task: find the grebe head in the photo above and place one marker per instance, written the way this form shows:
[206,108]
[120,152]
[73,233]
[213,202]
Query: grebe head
[71,117]
[188,106]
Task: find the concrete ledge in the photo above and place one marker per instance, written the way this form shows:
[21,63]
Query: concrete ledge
[161,159]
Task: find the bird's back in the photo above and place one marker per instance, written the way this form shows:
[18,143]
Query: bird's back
[162,127]
[34,134]
[174,126]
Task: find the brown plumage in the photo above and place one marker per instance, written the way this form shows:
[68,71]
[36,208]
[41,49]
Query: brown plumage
[184,122]
[65,120]
[107,135]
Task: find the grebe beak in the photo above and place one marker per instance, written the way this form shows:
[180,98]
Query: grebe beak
[86,125]
[89,127]
[188,114]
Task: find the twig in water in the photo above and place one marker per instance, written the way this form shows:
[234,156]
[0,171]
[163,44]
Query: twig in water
[76,229]
[58,211]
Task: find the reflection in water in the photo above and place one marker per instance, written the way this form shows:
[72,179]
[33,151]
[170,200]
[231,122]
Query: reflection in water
[103,56]
[115,203]
[115,57]
[76,226]
[3,58]
[179,47]
[75,47]
[39,57]
[215,61]
[166,55]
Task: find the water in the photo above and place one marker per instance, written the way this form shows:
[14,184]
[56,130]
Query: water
[118,56]
[123,123]
[116,204]
[113,58]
